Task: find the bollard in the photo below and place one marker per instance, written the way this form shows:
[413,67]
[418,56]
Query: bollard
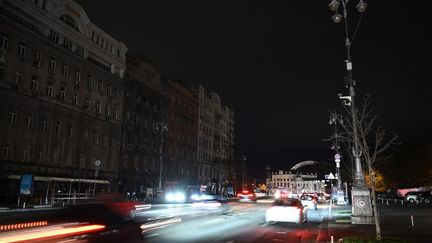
[412,220]
[387,202]
[63,203]
[24,205]
[331,239]
[395,200]
[402,202]
[382,200]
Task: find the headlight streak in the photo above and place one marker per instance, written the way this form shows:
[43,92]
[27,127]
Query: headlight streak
[48,232]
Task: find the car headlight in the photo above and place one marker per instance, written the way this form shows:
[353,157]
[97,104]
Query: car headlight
[170,197]
[180,197]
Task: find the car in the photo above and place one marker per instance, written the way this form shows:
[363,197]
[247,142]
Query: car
[246,196]
[309,201]
[412,196]
[286,210]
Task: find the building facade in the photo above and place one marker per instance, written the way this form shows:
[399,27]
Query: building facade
[296,182]
[61,83]
[144,112]
[182,110]
[215,141]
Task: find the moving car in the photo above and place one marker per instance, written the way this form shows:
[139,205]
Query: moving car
[246,196]
[309,201]
[287,210]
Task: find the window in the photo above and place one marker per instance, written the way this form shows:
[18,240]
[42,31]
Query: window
[87,104]
[44,124]
[90,82]
[69,21]
[82,161]
[21,50]
[75,99]
[34,84]
[30,121]
[107,111]
[65,70]
[4,41]
[12,117]
[52,64]
[79,50]
[85,134]
[100,86]
[62,93]
[54,36]
[116,92]
[136,162]
[77,77]
[26,154]
[37,57]
[96,139]
[99,108]
[18,77]
[115,112]
[58,128]
[125,161]
[71,130]
[109,90]
[67,44]
[50,90]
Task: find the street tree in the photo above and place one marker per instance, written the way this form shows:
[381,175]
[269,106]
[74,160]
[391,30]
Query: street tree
[373,141]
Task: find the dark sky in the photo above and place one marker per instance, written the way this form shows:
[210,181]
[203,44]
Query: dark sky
[280,65]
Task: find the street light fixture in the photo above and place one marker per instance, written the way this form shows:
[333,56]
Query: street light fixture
[361,6]
[362,209]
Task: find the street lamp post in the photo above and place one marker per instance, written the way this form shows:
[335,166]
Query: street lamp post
[334,119]
[361,206]
[162,127]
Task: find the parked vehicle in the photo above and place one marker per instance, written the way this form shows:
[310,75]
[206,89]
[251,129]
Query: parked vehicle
[416,196]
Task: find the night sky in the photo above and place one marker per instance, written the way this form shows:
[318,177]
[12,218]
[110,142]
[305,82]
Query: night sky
[280,65]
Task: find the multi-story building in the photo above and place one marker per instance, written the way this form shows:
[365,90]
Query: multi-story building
[215,141]
[61,83]
[205,136]
[181,165]
[296,182]
[144,113]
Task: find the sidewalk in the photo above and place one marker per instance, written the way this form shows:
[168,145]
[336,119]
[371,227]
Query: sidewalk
[337,225]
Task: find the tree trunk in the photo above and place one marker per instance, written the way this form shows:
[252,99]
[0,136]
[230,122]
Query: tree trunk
[374,203]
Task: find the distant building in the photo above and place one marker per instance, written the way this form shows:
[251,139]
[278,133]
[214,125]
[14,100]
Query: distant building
[61,83]
[296,182]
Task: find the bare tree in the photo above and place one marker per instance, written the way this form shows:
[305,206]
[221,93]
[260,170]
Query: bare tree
[373,142]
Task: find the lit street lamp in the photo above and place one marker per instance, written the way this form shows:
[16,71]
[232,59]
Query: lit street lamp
[362,210]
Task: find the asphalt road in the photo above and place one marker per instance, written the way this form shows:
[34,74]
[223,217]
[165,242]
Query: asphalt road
[242,222]
[245,222]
